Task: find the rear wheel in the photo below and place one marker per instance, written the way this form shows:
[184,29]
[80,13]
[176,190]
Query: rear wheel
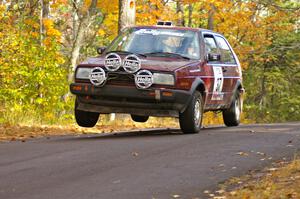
[139,118]
[191,119]
[232,115]
[84,118]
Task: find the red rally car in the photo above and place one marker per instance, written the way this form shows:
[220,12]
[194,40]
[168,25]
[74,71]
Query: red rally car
[161,71]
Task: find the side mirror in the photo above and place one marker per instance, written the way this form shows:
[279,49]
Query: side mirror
[213,57]
[100,50]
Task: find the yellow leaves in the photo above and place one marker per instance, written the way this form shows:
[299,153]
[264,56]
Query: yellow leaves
[32,23]
[23,132]
[35,34]
[51,32]
[279,182]
[109,6]
[148,14]
[47,42]
[211,118]
[109,28]
[57,3]
[101,32]
[48,23]
[2,11]
[59,58]
[86,5]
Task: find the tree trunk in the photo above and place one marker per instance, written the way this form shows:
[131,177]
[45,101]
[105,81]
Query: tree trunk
[87,18]
[180,13]
[44,14]
[31,7]
[190,15]
[75,18]
[126,14]
[211,14]
[45,8]
[77,44]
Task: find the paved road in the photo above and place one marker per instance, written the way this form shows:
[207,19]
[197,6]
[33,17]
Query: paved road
[137,165]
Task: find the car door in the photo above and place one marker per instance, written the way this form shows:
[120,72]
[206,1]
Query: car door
[217,74]
[229,67]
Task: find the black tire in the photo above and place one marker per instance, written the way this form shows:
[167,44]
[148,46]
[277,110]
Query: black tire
[232,115]
[190,121]
[84,118]
[139,118]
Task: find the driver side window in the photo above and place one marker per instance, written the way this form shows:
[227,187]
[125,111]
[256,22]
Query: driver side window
[210,44]
[211,47]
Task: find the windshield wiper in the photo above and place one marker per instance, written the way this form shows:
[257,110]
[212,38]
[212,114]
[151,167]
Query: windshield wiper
[169,54]
[125,52]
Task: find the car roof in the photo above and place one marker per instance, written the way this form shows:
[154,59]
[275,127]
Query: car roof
[177,28]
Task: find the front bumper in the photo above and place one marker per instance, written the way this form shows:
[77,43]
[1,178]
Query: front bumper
[128,99]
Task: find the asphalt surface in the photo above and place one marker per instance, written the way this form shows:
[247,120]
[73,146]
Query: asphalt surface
[136,165]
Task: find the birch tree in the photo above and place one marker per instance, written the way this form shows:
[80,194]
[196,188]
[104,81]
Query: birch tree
[83,21]
[126,14]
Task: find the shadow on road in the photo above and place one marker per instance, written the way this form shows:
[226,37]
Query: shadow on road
[129,134]
[147,133]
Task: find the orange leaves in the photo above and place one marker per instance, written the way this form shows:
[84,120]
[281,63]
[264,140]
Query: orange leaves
[109,6]
[47,42]
[34,34]
[56,3]
[48,23]
[51,32]
[101,32]
[149,13]
[86,4]
[32,23]
[246,27]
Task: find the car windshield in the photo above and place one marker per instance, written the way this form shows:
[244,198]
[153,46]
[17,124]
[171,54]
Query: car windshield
[158,42]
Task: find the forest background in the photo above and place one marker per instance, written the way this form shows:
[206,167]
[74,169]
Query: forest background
[41,41]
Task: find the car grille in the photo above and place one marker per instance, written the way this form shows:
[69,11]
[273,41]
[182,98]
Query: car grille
[120,78]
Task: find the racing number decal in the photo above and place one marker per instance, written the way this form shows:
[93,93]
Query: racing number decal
[218,83]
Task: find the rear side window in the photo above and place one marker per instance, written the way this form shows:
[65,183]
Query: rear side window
[227,55]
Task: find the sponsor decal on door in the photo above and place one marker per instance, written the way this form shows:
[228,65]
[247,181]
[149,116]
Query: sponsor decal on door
[218,83]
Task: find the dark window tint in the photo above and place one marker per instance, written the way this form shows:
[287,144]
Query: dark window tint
[227,56]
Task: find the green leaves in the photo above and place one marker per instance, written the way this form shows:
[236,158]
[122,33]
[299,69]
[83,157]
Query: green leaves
[33,76]
[273,86]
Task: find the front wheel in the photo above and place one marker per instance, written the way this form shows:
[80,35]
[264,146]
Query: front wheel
[191,119]
[84,118]
[232,115]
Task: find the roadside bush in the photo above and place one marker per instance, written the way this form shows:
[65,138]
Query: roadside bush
[33,80]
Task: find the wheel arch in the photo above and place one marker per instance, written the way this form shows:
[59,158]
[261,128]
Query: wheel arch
[201,88]
[238,90]
[198,85]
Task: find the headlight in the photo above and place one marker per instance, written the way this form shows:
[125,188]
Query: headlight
[83,73]
[164,79]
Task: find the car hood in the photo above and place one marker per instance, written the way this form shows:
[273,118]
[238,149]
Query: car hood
[150,63]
